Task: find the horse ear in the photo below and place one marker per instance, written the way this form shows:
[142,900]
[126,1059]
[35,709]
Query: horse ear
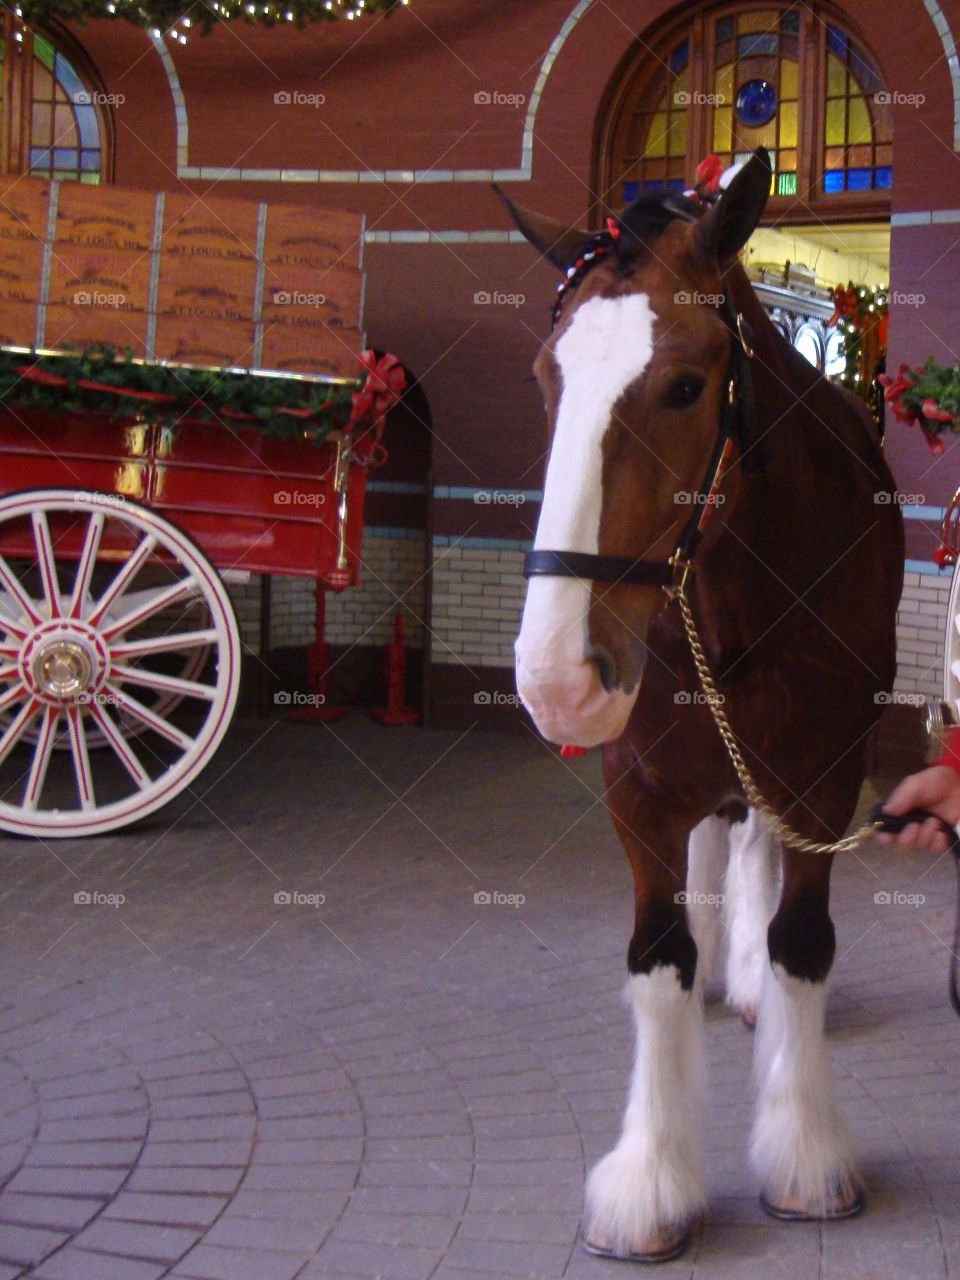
[731,222]
[553,238]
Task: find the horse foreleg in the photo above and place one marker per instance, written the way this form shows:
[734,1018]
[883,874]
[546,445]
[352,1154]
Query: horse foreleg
[747,908]
[643,1195]
[800,1145]
[706,858]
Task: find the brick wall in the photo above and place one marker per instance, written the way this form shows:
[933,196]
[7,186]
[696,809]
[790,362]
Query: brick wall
[921,630]
[477,599]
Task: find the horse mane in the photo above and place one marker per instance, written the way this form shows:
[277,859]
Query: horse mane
[645,220]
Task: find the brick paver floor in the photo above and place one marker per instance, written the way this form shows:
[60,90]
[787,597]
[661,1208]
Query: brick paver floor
[224,1077]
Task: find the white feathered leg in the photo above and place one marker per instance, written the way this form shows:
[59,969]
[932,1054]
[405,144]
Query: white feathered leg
[642,1196]
[706,856]
[800,1147]
[748,905]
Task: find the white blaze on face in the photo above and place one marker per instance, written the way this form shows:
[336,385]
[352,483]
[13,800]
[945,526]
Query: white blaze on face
[606,348]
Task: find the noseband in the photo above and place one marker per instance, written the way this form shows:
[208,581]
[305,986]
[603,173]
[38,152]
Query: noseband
[737,424]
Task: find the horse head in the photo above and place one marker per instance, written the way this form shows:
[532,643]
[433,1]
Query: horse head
[634,379]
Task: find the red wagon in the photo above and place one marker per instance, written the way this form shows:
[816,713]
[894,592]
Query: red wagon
[119,647]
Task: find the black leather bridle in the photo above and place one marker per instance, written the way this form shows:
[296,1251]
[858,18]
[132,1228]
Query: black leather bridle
[737,426]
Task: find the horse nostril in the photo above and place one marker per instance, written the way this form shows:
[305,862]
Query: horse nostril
[607,666]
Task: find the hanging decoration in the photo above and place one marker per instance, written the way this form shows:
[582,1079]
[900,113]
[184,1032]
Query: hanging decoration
[100,380]
[861,315]
[929,397]
[177,18]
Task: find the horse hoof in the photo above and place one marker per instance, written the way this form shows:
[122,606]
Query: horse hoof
[832,1213]
[663,1249]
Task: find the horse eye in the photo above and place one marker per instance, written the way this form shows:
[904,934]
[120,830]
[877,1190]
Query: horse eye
[683,392]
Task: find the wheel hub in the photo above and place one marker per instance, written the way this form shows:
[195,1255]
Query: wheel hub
[63,662]
[62,669]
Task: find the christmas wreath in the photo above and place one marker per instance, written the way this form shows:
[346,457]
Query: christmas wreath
[929,396]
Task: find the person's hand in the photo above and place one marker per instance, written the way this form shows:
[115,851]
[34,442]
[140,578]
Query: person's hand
[936,789]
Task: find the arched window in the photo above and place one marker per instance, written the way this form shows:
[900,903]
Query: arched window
[788,77]
[53,113]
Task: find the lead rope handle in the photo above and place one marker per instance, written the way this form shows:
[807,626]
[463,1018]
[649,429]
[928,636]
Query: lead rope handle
[712,697]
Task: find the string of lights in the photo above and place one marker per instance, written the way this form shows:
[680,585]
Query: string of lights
[177,19]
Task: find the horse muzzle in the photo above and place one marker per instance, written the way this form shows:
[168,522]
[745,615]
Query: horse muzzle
[570,704]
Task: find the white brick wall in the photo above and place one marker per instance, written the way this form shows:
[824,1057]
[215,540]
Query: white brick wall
[391,567]
[477,600]
[921,630]
[478,597]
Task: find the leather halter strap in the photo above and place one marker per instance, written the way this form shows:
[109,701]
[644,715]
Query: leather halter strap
[737,423]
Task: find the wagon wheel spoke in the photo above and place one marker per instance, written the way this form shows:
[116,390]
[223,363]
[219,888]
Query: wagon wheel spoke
[17,726]
[121,748]
[157,602]
[161,644]
[11,698]
[157,723]
[81,759]
[85,566]
[10,672]
[46,563]
[169,684]
[11,584]
[41,759]
[123,578]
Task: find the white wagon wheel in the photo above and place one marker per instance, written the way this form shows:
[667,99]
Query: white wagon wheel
[87,663]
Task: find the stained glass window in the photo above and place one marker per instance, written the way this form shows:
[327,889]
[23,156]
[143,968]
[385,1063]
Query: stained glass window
[657,137]
[65,129]
[857,129]
[733,80]
[756,86]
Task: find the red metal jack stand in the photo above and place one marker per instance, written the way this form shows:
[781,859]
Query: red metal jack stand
[396,711]
[318,666]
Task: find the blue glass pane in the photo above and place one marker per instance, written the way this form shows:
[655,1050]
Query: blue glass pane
[883,178]
[630,191]
[86,118]
[678,59]
[755,103]
[724,28]
[657,184]
[89,159]
[676,184]
[833,180]
[68,78]
[859,179]
[757,42]
[837,42]
[65,158]
[790,22]
[39,158]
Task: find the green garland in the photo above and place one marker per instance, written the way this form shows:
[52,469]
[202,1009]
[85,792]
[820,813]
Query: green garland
[933,386]
[163,15]
[208,394]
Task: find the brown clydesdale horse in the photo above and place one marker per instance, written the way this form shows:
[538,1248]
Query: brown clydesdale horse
[795,590]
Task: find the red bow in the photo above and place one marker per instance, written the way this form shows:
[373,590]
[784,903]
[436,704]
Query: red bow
[385,384]
[708,173]
[844,305]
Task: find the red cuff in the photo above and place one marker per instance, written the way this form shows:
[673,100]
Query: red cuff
[950,754]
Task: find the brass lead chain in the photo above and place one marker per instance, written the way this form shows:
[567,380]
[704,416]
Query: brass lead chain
[752,791]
